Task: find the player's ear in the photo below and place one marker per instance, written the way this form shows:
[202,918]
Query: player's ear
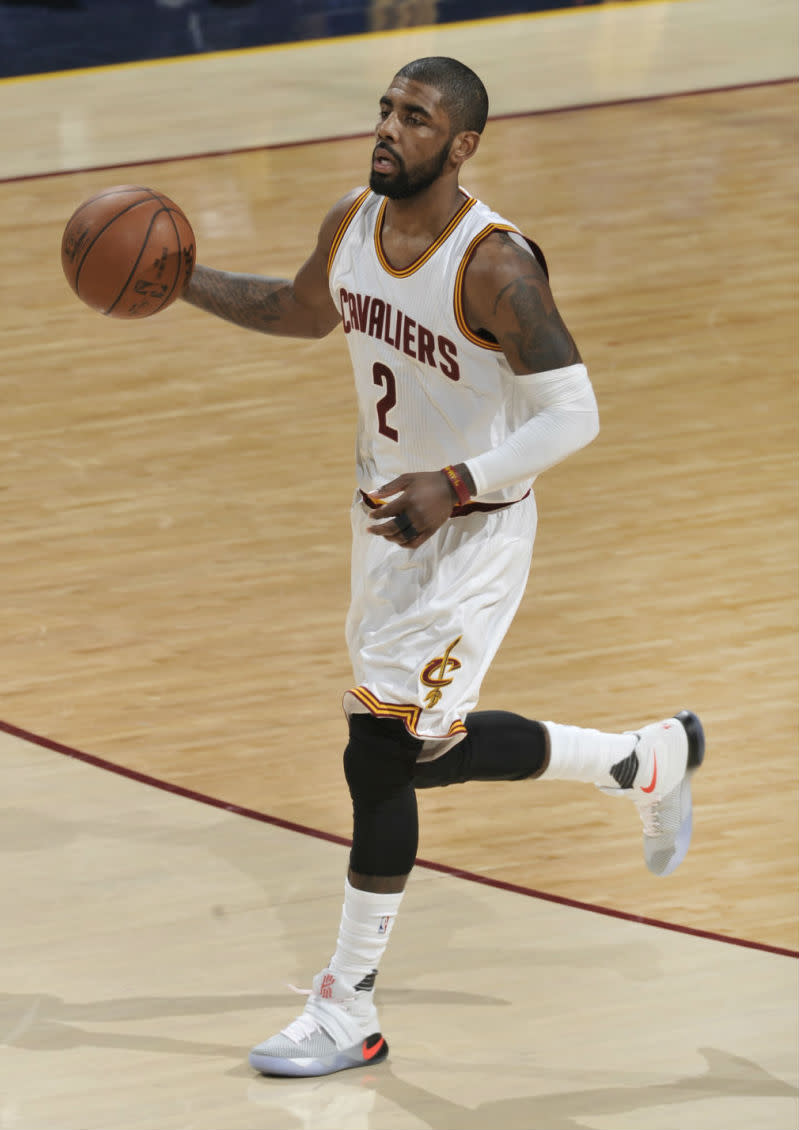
[464,145]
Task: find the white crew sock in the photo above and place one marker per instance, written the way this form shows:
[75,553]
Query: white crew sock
[585,755]
[366,923]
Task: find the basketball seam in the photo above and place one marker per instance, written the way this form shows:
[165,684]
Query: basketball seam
[110,192]
[138,257]
[169,211]
[104,228]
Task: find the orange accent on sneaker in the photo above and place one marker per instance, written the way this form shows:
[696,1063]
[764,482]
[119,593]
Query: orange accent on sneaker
[650,787]
[369,1053]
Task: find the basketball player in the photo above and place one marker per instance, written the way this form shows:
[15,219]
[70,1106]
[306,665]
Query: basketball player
[469,385]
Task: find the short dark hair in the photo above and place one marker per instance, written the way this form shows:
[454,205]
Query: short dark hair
[464,97]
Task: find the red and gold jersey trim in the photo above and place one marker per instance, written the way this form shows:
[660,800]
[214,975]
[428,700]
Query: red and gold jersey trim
[345,223]
[407,712]
[469,202]
[460,316]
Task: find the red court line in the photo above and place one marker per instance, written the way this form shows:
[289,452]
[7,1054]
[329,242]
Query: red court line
[146,161]
[443,868]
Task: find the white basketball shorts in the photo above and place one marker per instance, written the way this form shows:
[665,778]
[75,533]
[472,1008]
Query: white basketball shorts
[425,624]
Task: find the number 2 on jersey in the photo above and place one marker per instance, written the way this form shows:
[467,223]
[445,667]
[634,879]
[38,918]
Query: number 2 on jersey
[384,378]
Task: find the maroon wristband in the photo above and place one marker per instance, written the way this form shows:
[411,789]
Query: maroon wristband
[457,484]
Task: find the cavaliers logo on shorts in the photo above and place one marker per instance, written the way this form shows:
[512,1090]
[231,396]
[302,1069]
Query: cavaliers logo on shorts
[439,672]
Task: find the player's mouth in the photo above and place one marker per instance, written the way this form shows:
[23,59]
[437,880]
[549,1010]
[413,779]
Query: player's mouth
[383,160]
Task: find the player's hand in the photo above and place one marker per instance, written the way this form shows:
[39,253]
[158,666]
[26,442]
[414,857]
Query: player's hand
[420,504]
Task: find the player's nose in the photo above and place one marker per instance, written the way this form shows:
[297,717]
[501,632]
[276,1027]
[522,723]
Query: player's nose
[387,127]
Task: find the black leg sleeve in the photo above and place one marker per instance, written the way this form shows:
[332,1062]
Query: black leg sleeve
[499,746]
[378,765]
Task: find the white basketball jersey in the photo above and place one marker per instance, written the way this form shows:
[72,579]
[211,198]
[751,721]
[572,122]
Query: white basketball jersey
[430,391]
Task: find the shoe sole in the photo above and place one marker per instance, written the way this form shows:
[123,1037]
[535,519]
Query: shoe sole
[696,755]
[303,1066]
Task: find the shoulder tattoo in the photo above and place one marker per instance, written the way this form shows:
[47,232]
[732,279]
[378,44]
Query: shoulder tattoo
[528,319]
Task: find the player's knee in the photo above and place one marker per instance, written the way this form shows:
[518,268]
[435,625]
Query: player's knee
[380,756]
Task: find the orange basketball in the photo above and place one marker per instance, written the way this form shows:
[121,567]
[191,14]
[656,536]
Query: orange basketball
[128,251]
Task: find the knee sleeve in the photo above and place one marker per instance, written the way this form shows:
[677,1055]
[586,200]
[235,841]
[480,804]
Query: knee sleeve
[499,746]
[378,765]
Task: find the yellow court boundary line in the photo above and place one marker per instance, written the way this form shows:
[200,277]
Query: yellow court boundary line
[391,33]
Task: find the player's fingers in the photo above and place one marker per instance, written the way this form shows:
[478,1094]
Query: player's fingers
[385,530]
[401,530]
[394,487]
[390,509]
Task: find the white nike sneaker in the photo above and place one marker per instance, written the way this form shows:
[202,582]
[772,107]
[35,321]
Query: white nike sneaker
[337,1029]
[657,778]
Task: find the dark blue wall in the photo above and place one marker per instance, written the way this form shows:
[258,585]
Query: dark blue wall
[37,36]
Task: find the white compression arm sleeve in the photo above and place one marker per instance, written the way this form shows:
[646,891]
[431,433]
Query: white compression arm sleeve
[565,418]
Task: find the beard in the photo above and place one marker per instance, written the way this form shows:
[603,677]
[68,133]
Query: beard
[402,184]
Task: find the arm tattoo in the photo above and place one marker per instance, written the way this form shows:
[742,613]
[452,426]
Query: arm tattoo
[256,303]
[535,328]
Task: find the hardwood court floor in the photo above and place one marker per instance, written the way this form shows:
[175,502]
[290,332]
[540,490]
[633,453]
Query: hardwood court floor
[577,56]
[175,536]
[148,941]
[176,493]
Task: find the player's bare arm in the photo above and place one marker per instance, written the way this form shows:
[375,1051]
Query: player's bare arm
[506,293]
[301,307]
